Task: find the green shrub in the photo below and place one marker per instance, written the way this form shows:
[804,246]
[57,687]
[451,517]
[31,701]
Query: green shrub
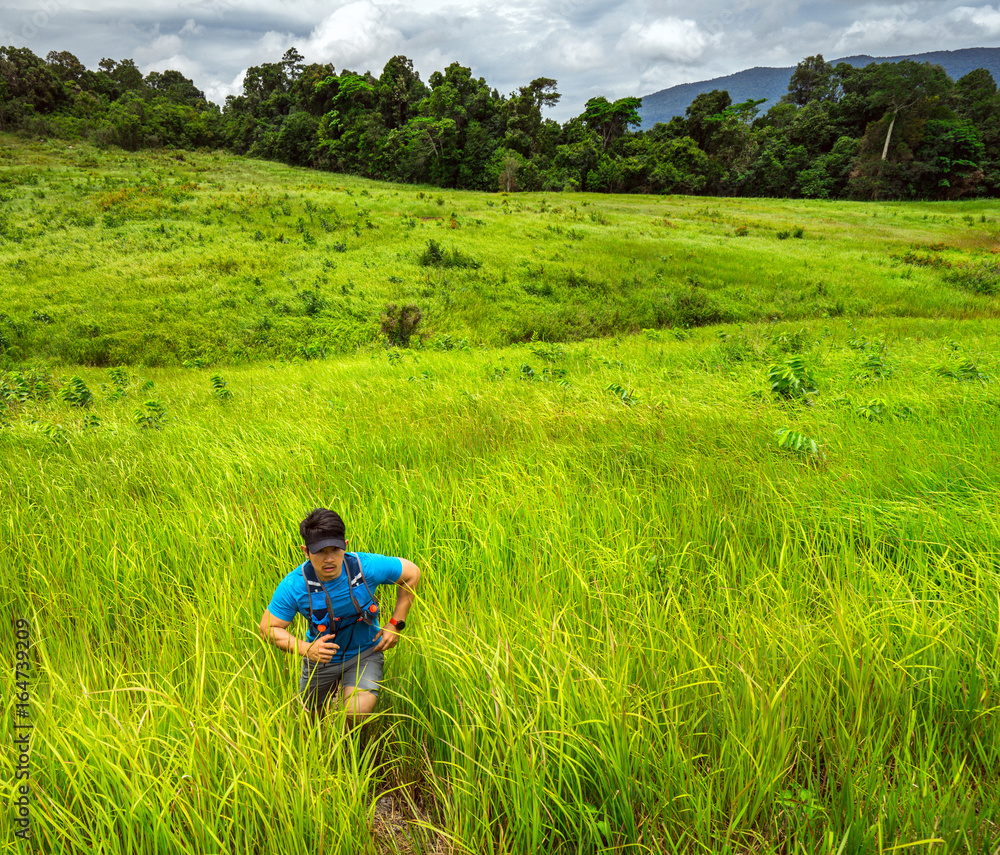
[979,279]
[695,308]
[151,415]
[312,303]
[75,393]
[786,342]
[791,379]
[626,396]
[873,368]
[399,323]
[548,352]
[220,388]
[874,411]
[32,385]
[964,371]
[435,256]
[120,380]
[799,443]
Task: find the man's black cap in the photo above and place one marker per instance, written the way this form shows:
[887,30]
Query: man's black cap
[320,545]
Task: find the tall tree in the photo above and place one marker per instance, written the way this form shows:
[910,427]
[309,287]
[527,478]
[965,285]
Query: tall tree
[399,91]
[611,120]
[812,80]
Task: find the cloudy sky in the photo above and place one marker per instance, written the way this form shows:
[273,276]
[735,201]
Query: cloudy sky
[592,47]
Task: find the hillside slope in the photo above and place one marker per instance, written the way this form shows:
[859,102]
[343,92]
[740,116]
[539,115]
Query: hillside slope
[162,258]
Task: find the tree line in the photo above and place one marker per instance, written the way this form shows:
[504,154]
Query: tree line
[900,130]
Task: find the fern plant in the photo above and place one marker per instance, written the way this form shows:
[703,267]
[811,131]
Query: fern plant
[220,387]
[873,368]
[966,370]
[626,396]
[798,443]
[76,394]
[874,411]
[150,415]
[791,379]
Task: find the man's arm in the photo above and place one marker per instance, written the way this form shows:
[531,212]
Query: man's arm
[275,630]
[406,587]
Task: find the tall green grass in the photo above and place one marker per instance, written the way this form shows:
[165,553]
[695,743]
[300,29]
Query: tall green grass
[642,625]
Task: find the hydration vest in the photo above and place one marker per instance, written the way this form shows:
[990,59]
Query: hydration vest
[324,622]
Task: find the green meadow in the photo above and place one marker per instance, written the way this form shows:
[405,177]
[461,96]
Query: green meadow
[176,258]
[706,510]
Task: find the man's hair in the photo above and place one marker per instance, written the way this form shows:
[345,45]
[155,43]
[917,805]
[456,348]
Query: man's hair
[321,524]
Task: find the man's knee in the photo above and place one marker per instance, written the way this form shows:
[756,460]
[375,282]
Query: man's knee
[358,704]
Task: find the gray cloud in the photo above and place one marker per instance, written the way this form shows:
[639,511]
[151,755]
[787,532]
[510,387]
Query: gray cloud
[590,46]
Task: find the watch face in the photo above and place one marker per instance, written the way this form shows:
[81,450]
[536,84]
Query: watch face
[399,624]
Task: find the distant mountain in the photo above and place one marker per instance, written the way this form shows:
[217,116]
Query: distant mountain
[772,83]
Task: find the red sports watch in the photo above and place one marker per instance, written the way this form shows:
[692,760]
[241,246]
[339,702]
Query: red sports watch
[398,624]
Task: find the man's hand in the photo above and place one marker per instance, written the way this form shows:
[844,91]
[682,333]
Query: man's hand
[387,637]
[322,649]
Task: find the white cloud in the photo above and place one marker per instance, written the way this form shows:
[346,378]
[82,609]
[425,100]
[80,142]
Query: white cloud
[158,49]
[356,35]
[192,28]
[190,68]
[665,40]
[578,55]
[984,17]
[218,90]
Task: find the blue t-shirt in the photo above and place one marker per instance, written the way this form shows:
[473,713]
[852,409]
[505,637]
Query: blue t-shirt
[290,599]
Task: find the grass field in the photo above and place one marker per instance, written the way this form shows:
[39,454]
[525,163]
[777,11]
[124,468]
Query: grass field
[691,587]
[175,258]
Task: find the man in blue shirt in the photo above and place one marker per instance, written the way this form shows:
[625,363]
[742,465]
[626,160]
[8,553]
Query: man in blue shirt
[333,590]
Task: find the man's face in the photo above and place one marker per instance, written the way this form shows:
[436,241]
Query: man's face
[327,562]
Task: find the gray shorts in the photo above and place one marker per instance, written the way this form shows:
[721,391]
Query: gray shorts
[319,679]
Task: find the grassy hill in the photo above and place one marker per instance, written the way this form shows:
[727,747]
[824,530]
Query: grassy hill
[168,258]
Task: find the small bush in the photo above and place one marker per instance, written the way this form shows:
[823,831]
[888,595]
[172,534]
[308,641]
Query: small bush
[76,394]
[220,388]
[874,411]
[548,352]
[626,396]
[120,380]
[312,303]
[798,443]
[151,415]
[543,289]
[791,380]
[979,279]
[694,308]
[873,368]
[19,387]
[399,323]
[965,371]
[435,256]
[786,342]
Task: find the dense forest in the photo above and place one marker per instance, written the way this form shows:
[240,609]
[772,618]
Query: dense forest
[900,130]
